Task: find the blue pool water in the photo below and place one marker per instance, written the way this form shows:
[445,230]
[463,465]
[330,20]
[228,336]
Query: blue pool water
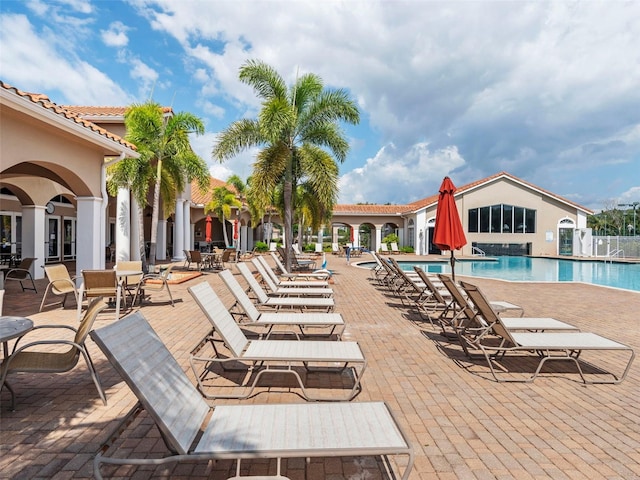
[527,269]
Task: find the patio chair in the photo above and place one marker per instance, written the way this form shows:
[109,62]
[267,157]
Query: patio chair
[130,283]
[100,283]
[26,359]
[541,346]
[300,302]
[277,290]
[22,273]
[154,282]
[187,259]
[194,431]
[198,259]
[335,249]
[394,248]
[319,274]
[384,248]
[230,345]
[289,283]
[296,263]
[60,283]
[269,320]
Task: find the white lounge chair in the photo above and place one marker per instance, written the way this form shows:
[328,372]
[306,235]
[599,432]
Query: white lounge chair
[265,300]
[269,356]
[194,431]
[317,274]
[542,346]
[289,290]
[289,283]
[247,309]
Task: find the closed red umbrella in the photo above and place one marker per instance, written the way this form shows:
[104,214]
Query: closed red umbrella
[448,233]
[235,229]
[207,235]
[352,236]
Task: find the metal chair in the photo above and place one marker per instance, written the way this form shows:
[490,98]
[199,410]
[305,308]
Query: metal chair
[22,273]
[154,282]
[100,283]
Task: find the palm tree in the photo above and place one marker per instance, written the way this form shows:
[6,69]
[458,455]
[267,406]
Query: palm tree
[222,199]
[293,127]
[163,142]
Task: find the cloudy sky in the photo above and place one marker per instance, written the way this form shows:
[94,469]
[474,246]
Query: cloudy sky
[547,91]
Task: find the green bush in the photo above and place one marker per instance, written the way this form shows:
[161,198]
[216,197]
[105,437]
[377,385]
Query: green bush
[407,249]
[261,247]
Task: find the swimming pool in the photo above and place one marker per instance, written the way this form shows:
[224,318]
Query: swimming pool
[528,269]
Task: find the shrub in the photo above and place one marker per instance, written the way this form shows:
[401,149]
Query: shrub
[407,250]
[261,247]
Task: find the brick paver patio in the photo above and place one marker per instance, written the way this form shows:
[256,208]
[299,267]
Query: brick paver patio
[461,423]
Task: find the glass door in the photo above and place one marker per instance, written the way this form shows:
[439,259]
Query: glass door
[52,243]
[565,237]
[69,242]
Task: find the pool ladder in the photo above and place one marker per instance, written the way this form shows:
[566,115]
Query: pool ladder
[617,253]
[477,252]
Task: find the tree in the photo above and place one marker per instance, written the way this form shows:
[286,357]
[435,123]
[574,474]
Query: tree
[163,142]
[293,127]
[222,199]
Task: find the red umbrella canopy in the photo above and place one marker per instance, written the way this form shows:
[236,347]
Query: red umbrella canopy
[235,229]
[207,235]
[448,233]
[351,235]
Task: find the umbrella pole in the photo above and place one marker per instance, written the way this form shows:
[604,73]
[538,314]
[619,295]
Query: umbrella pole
[453,267]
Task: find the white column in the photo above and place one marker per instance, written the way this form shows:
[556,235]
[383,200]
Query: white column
[378,237]
[33,237]
[356,235]
[178,233]
[188,228]
[90,214]
[161,244]
[134,240]
[124,221]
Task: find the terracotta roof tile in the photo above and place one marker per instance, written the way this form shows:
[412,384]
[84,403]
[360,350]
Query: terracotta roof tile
[89,111]
[200,198]
[44,101]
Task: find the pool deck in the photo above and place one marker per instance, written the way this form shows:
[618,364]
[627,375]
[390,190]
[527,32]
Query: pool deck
[461,423]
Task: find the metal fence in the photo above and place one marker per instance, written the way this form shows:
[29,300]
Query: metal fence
[616,246]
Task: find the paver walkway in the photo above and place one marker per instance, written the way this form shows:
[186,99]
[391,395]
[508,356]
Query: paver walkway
[461,423]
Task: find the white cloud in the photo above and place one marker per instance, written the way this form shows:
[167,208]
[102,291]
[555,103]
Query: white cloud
[115,35]
[399,177]
[25,55]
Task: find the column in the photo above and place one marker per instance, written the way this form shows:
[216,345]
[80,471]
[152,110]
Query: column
[33,237]
[124,221]
[378,237]
[188,227]
[90,255]
[178,233]
[356,235]
[134,239]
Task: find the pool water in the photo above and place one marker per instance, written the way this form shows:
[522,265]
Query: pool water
[527,269]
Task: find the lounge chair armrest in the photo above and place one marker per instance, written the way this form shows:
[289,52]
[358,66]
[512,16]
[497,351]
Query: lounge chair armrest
[40,327]
[44,342]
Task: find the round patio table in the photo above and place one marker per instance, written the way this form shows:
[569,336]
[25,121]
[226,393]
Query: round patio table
[10,328]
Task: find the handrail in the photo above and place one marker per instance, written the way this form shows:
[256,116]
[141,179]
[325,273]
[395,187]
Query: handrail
[477,251]
[617,253]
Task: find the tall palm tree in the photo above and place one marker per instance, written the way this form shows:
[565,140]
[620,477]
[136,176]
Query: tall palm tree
[163,142]
[222,199]
[293,127]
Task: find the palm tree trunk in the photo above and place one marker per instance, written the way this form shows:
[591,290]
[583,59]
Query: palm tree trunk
[224,232]
[288,223]
[141,245]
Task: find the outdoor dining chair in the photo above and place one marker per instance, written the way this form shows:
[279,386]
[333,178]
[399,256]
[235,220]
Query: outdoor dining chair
[60,283]
[154,282]
[100,283]
[22,273]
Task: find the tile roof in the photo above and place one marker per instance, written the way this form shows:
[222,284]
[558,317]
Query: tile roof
[88,111]
[200,198]
[433,199]
[46,103]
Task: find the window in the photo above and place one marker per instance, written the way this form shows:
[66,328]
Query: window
[501,219]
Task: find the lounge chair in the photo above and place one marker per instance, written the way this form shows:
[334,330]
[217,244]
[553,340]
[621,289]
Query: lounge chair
[335,249]
[26,358]
[394,248]
[318,248]
[268,356]
[269,320]
[543,346]
[277,290]
[297,264]
[384,248]
[289,283]
[264,300]
[234,431]
[21,274]
[60,283]
[317,274]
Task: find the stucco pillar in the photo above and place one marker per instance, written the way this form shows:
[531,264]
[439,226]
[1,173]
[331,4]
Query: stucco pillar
[188,227]
[33,237]
[161,240]
[178,233]
[320,238]
[378,237]
[124,221]
[356,235]
[134,239]
[90,214]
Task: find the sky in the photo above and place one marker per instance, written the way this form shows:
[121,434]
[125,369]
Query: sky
[546,91]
